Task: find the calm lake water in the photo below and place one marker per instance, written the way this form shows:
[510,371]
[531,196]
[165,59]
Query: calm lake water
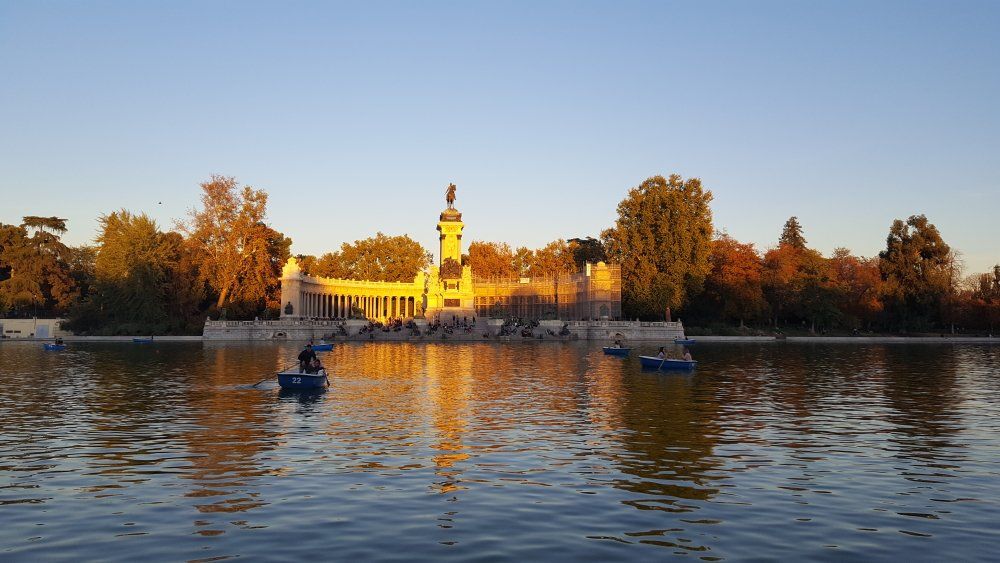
[539,451]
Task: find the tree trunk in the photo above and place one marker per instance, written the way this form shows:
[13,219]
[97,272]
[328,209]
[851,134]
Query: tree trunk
[222,297]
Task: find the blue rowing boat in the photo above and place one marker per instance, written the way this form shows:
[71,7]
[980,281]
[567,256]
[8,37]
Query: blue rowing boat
[54,347]
[303,381]
[652,362]
[142,340]
[684,341]
[612,351]
[322,347]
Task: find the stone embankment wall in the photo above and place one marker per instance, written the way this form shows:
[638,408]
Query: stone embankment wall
[482,330]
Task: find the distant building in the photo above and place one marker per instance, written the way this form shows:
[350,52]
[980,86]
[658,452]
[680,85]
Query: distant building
[451,289]
[32,328]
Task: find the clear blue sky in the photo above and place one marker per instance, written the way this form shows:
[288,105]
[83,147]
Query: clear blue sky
[355,116]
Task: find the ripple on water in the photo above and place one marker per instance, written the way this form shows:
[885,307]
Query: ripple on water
[457,451]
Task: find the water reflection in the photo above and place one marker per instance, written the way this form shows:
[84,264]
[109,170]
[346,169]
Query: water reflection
[868,452]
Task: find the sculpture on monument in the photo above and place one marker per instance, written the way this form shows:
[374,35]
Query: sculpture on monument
[449,196]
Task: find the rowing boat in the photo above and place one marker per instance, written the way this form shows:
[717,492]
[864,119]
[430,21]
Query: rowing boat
[612,351]
[653,362]
[292,379]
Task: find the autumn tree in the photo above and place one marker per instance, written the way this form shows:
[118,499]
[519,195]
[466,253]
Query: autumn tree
[662,239]
[859,288]
[378,258]
[918,270]
[240,255]
[523,258]
[307,263]
[34,266]
[984,305]
[555,258]
[735,280]
[492,260]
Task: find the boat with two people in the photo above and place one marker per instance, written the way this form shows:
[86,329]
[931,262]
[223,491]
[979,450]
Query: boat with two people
[660,361]
[618,349]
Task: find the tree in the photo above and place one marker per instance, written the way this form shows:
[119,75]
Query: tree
[662,239]
[378,258]
[859,287]
[734,281]
[587,250]
[492,260]
[34,270]
[555,258]
[307,263]
[523,258]
[132,269]
[240,256]
[791,234]
[918,270]
[143,281]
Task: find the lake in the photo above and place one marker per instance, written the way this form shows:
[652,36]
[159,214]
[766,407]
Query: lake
[538,451]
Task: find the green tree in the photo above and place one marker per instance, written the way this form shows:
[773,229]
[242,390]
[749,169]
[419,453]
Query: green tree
[918,270]
[587,250]
[791,234]
[34,267]
[662,239]
[144,281]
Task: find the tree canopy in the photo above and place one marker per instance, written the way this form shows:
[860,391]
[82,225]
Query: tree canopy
[918,269]
[379,258]
[240,256]
[492,260]
[662,239]
[34,267]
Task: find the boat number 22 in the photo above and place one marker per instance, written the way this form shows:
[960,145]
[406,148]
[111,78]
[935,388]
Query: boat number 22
[296,380]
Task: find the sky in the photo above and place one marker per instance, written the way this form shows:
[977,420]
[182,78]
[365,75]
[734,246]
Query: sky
[355,116]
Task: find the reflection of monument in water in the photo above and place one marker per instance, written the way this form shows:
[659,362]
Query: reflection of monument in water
[451,288]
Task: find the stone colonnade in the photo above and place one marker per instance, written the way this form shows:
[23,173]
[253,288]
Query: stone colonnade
[309,297]
[334,305]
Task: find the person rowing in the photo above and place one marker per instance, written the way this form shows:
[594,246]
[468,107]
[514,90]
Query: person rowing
[662,354]
[306,358]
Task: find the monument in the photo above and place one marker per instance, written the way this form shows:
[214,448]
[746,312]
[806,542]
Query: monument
[450,293]
[450,290]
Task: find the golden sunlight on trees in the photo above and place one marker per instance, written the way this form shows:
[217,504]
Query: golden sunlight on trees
[734,281]
[378,258]
[240,255]
[492,260]
[662,239]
